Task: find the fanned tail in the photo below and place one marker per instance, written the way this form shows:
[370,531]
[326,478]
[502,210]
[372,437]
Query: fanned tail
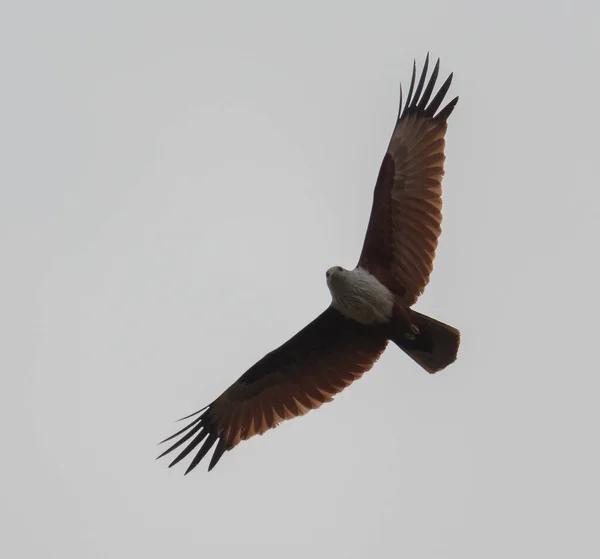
[432,344]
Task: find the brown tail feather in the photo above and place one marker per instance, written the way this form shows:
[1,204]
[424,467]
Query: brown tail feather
[435,345]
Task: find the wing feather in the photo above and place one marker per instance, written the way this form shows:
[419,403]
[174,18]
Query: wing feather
[421,83]
[301,375]
[406,217]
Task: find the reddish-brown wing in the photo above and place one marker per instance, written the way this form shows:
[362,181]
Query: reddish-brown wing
[301,375]
[406,217]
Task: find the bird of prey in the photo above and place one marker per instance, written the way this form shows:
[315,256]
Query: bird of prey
[370,305]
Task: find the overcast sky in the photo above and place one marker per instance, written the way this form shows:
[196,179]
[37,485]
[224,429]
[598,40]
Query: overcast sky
[177,177]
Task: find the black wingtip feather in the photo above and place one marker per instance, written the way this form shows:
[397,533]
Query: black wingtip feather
[400,104]
[430,85]
[421,83]
[195,442]
[181,430]
[192,414]
[420,104]
[202,452]
[181,441]
[447,110]
[439,97]
[202,427]
[411,88]
[219,450]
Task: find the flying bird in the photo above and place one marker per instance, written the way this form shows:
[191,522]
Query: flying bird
[370,305]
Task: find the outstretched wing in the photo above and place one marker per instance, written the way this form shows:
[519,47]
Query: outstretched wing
[406,217]
[305,372]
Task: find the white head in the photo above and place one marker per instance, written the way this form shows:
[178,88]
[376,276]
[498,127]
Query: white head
[359,295]
[334,274]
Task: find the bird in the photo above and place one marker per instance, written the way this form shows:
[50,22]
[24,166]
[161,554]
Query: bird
[371,304]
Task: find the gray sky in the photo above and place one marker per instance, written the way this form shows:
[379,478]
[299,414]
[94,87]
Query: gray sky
[176,180]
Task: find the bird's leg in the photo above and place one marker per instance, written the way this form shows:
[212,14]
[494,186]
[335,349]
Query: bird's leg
[413,333]
[402,315]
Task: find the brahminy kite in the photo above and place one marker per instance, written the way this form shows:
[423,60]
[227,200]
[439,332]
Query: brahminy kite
[370,305]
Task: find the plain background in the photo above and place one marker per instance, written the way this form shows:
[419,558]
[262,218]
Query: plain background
[176,178]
